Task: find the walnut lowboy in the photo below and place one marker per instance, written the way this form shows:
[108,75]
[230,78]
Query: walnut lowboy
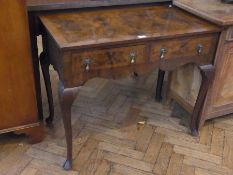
[116,42]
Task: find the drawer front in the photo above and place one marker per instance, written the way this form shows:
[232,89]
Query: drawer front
[182,48]
[108,58]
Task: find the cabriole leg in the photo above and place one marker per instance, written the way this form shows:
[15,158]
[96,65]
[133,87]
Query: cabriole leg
[66,98]
[207,73]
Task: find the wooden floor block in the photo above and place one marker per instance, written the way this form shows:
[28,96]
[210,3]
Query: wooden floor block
[137,164]
[154,148]
[121,150]
[198,154]
[84,155]
[175,164]
[103,168]
[199,171]
[163,160]
[207,166]
[29,171]
[228,150]
[217,143]
[187,169]
[144,138]
[125,170]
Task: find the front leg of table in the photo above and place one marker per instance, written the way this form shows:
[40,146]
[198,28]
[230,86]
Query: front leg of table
[66,99]
[207,73]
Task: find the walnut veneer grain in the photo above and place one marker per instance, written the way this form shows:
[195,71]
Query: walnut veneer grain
[122,25]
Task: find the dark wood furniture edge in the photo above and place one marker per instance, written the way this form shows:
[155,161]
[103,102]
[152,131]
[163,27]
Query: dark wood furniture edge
[88,4]
[35,134]
[19,127]
[34,131]
[225,109]
[125,42]
[201,14]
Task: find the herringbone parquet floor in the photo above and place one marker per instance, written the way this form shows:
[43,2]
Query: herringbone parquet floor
[120,130]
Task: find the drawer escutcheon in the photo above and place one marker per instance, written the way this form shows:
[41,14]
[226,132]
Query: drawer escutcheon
[162,53]
[133,56]
[87,64]
[200,49]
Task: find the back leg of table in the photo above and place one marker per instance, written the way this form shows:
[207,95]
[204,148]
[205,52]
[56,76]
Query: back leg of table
[45,70]
[159,87]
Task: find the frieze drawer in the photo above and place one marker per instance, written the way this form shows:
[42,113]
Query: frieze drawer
[185,48]
[108,58]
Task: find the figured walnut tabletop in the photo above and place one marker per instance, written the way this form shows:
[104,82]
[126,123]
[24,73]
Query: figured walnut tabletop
[212,10]
[90,28]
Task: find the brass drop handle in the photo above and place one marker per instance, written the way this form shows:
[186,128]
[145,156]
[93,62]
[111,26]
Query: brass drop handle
[200,49]
[162,53]
[132,57]
[87,64]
